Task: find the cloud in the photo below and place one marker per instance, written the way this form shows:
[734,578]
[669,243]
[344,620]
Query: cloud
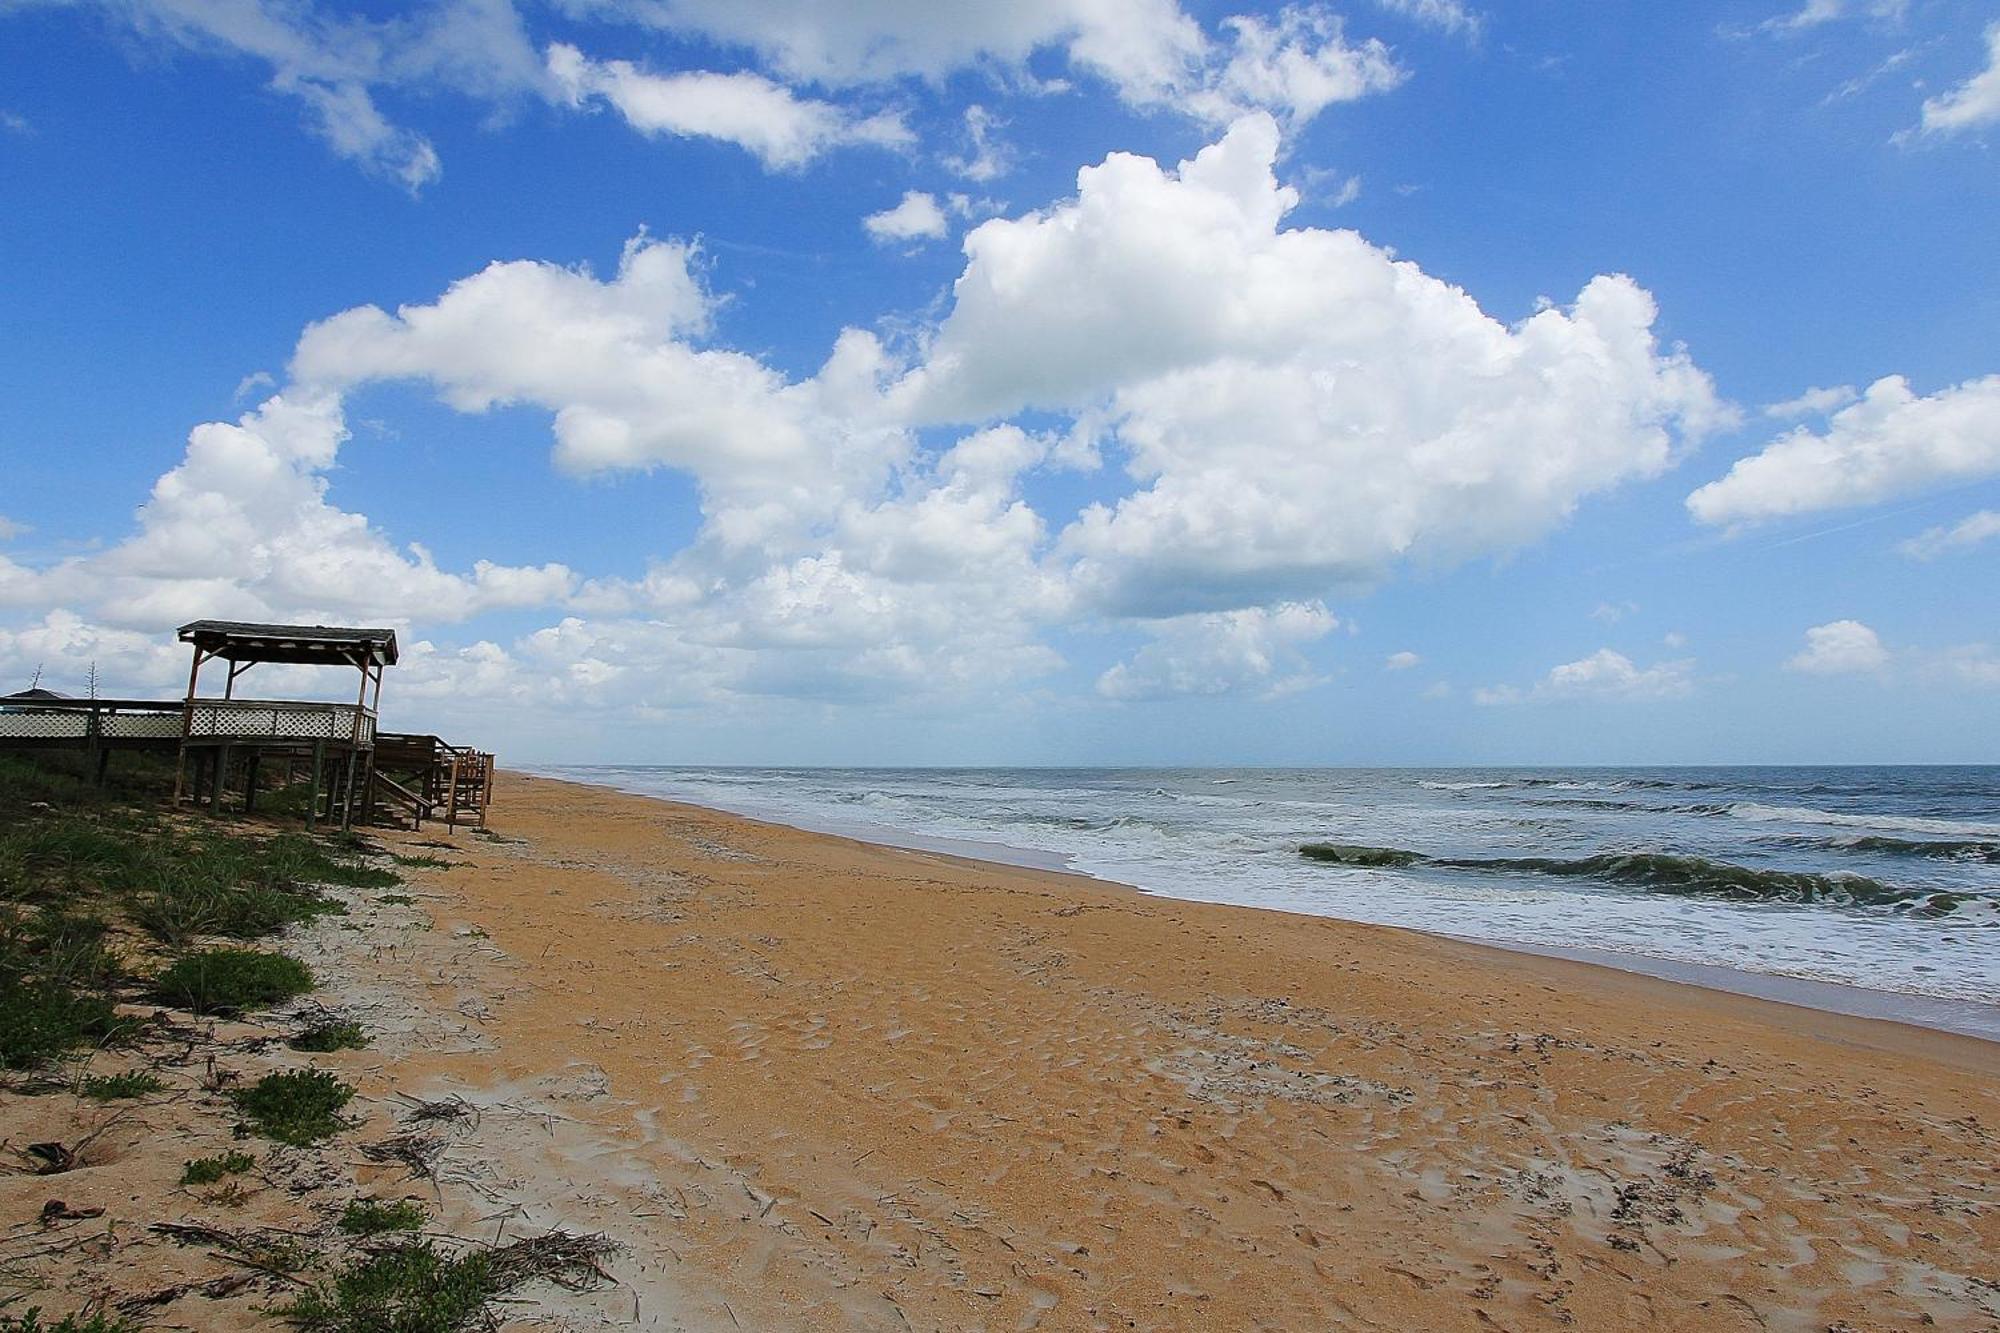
[1840,647]
[986,158]
[1447,16]
[1967,534]
[618,365]
[1140,46]
[1300,409]
[13,122]
[1813,403]
[1817,13]
[1294,410]
[334,64]
[917,217]
[241,528]
[1972,104]
[1402,661]
[1889,443]
[1151,52]
[338,65]
[64,646]
[9,529]
[1224,653]
[1974,664]
[1294,68]
[1602,675]
[1613,612]
[783,131]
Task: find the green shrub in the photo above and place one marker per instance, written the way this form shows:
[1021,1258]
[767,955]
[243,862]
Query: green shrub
[221,981]
[422,862]
[409,1288]
[321,1038]
[366,1217]
[208,1170]
[299,1107]
[115,1087]
[396,900]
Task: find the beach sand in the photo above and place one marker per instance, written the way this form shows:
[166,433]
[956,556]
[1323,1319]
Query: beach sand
[810,1083]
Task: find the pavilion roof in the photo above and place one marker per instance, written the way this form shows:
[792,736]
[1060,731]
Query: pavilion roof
[312,645]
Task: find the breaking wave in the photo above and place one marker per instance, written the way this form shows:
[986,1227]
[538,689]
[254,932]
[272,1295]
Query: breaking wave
[1664,872]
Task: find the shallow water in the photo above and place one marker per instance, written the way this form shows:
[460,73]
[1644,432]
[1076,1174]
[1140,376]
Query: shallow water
[1886,878]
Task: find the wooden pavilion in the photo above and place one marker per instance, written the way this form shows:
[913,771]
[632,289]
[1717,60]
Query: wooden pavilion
[352,770]
[336,740]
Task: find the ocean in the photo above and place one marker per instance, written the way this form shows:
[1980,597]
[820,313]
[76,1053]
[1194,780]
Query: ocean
[1886,879]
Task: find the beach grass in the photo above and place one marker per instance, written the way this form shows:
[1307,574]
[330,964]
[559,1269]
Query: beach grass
[84,865]
[232,981]
[209,1170]
[411,1288]
[297,1107]
[321,1038]
[120,1087]
[56,974]
[368,1217]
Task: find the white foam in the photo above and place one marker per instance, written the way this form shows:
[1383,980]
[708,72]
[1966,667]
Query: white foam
[1799,814]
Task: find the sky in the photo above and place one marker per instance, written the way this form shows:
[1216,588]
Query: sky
[1062,382]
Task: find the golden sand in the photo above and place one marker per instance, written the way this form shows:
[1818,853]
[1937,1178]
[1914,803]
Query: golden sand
[811,1083]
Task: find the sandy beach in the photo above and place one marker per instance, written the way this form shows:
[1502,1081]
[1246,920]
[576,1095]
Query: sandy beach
[809,1083]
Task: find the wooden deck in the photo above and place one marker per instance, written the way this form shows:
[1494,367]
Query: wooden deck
[350,771]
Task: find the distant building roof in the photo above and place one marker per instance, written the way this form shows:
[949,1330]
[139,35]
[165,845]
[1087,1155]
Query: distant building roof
[37,695]
[314,645]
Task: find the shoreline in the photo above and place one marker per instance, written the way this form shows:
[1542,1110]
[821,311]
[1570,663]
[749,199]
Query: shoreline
[1959,1017]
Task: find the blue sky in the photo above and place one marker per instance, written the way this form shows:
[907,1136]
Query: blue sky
[1403,381]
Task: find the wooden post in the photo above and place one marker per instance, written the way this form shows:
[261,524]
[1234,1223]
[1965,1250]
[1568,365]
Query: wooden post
[312,800]
[347,807]
[250,767]
[221,780]
[94,740]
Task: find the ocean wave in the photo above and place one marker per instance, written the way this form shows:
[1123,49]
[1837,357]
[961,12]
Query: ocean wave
[1960,849]
[1462,786]
[1697,876]
[1799,814]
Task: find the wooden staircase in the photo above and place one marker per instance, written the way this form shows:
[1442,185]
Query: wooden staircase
[423,777]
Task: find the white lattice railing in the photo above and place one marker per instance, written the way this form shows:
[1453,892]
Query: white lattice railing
[248,720]
[80,720]
[252,720]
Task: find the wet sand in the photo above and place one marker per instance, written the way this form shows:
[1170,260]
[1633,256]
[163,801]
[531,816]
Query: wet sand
[810,1083]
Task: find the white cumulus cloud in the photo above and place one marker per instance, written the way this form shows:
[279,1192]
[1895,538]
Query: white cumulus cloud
[1299,408]
[1605,674]
[1840,647]
[916,218]
[1891,442]
[1223,653]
